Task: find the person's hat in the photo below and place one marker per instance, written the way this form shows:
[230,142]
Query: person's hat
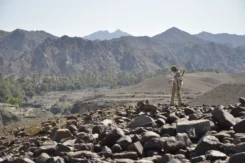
[173,67]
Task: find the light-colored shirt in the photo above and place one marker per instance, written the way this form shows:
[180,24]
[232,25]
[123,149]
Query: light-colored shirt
[177,77]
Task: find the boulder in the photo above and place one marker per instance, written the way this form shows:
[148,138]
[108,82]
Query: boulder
[240,127]
[198,159]
[194,129]
[42,158]
[155,144]
[83,154]
[237,158]
[123,161]
[148,135]
[168,129]
[85,146]
[116,148]
[207,143]
[224,119]
[48,147]
[140,121]
[136,147]
[189,111]
[124,142]
[173,144]
[126,155]
[56,159]
[213,155]
[236,112]
[111,138]
[61,134]
[242,100]
[239,148]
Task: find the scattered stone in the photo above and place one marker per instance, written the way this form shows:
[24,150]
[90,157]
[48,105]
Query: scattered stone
[111,138]
[172,144]
[215,155]
[194,129]
[242,100]
[124,142]
[148,135]
[61,134]
[189,111]
[168,130]
[237,158]
[140,121]
[116,148]
[198,159]
[136,147]
[128,155]
[224,119]
[42,158]
[240,127]
[207,143]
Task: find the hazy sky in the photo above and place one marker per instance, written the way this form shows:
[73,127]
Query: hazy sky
[137,17]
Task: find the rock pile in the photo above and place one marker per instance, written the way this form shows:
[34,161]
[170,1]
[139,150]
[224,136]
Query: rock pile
[173,135]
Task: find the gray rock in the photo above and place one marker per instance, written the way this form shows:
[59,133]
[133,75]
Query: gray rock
[198,159]
[83,137]
[124,142]
[72,128]
[98,129]
[237,158]
[85,146]
[138,130]
[48,147]
[155,144]
[240,127]
[55,160]
[83,154]
[215,155]
[238,148]
[194,129]
[20,160]
[123,161]
[116,148]
[242,100]
[61,134]
[112,137]
[224,119]
[172,144]
[160,122]
[136,147]
[172,118]
[140,121]
[236,112]
[207,143]
[106,151]
[69,142]
[143,161]
[148,135]
[189,111]
[168,129]
[128,155]
[42,158]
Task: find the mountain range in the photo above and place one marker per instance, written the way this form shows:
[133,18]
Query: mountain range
[105,35]
[26,52]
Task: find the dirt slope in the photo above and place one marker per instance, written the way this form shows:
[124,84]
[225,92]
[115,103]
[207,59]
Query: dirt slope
[224,94]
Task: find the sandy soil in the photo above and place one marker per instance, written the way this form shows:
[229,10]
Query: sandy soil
[224,94]
[156,89]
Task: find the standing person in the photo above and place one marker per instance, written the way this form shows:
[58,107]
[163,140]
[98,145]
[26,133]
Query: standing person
[177,83]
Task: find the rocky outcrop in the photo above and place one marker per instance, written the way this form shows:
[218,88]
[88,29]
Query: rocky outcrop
[134,139]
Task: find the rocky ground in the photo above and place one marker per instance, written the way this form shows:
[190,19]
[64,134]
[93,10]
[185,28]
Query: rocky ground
[126,135]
